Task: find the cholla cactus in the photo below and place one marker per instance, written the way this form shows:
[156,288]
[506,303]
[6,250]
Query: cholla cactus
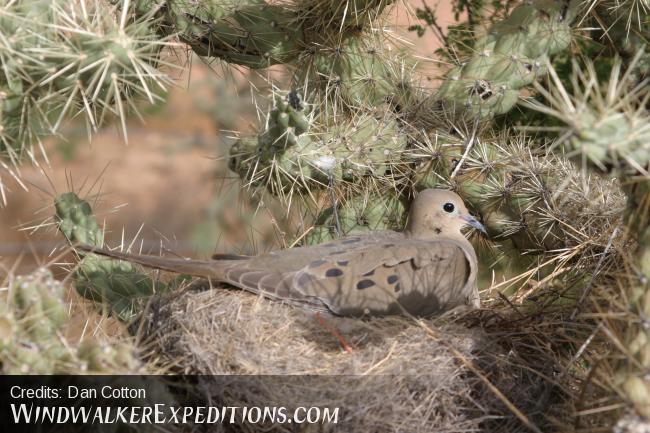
[109,283]
[62,59]
[289,155]
[608,129]
[356,73]
[512,54]
[32,321]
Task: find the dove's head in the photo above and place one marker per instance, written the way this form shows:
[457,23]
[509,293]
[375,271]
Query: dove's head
[439,213]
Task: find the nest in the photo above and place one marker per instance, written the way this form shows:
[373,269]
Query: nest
[385,374]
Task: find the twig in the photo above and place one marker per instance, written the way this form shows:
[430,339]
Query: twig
[543,400]
[334,205]
[435,27]
[470,365]
[589,286]
[468,148]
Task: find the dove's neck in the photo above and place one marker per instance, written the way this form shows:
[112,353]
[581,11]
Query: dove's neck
[428,234]
[422,233]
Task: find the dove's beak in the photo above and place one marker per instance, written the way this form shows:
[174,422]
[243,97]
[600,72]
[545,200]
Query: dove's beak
[470,220]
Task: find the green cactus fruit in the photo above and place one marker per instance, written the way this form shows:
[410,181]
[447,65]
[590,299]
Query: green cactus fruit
[287,121]
[509,57]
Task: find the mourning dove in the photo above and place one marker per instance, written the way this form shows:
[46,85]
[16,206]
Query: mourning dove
[428,268]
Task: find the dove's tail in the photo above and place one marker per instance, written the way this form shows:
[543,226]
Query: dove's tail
[213,269]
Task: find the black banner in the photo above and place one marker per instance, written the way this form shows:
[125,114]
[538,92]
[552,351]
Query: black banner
[166,403]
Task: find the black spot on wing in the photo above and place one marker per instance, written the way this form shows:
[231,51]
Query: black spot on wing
[342,262]
[369,273]
[397,288]
[364,284]
[317,263]
[392,279]
[333,272]
[219,256]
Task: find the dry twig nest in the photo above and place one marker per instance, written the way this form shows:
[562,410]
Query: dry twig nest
[400,375]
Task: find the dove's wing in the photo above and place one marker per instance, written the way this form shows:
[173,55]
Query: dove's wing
[414,276]
[274,274]
[377,275]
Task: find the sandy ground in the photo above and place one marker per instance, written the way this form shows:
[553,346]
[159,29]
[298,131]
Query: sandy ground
[171,179]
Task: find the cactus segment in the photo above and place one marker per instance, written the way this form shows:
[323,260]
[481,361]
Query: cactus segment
[112,283]
[605,129]
[287,155]
[32,321]
[253,34]
[343,16]
[64,59]
[358,215]
[355,71]
[512,55]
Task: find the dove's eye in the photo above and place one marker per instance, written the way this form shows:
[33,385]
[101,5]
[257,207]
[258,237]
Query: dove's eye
[448,207]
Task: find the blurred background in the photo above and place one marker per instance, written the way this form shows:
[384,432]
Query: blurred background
[170,183]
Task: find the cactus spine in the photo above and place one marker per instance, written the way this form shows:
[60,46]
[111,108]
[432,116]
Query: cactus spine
[513,54]
[607,130]
[32,341]
[61,59]
[109,283]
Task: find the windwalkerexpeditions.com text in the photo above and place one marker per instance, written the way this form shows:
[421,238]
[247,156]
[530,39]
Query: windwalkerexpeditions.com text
[29,413]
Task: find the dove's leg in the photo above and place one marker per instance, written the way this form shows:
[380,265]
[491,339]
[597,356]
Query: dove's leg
[332,330]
